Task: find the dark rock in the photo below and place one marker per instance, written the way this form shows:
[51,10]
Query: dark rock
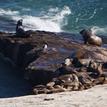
[41,66]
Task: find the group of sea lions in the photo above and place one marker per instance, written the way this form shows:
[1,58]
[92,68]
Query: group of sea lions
[73,78]
[76,74]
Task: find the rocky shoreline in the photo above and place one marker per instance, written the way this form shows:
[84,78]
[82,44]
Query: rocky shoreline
[41,66]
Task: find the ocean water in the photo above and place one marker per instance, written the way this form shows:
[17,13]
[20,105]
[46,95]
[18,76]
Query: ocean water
[54,15]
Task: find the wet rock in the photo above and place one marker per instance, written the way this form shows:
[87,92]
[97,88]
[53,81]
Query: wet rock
[90,52]
[42,54]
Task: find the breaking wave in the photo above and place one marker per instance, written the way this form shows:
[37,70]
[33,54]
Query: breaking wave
[99,30]
[53,20]
[8,12]
[54,16]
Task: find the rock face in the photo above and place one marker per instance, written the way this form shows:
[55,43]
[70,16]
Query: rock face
[41,55]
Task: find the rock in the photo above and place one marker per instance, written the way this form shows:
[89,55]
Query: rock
[98,54]
[41,67]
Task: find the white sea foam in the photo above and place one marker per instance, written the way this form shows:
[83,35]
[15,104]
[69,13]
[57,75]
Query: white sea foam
[99,30]
[60,16]
[53,20]
[26,9]
[48,22]
[37,23]
[53,9]
[8,12]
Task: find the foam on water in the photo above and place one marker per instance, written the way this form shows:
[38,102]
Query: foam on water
[53,21]
[99,30]
[89,17]
[55,16]
[8,12]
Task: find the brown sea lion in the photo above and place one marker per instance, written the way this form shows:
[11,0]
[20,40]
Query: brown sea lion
[39,89]
[90,38]
[100,80]
[84,79]
[64,69]
[57,89]
[70,81]
[95,68]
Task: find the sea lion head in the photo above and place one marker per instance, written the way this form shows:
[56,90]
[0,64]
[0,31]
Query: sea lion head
[86,32]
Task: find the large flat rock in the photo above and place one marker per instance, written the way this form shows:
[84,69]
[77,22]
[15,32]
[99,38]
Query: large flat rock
[28,54]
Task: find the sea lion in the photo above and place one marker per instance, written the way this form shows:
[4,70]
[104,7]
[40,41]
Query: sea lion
[95,69]
[19,23]
[50,85]
[19,28]
[100,80]
[84,78]
[20,32]
[90,38]
[70,81]
[57,88]
[40,89]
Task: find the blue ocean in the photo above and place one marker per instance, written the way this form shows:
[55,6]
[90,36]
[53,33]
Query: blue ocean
[54,15]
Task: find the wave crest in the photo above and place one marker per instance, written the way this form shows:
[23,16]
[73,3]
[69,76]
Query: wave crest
[99,30]
[53,21]
[8,12]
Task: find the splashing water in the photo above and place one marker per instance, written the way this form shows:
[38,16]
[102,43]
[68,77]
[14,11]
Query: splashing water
[55,16]
[99,30]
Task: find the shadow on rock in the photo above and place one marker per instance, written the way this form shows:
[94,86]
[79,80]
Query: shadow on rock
[12,83]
